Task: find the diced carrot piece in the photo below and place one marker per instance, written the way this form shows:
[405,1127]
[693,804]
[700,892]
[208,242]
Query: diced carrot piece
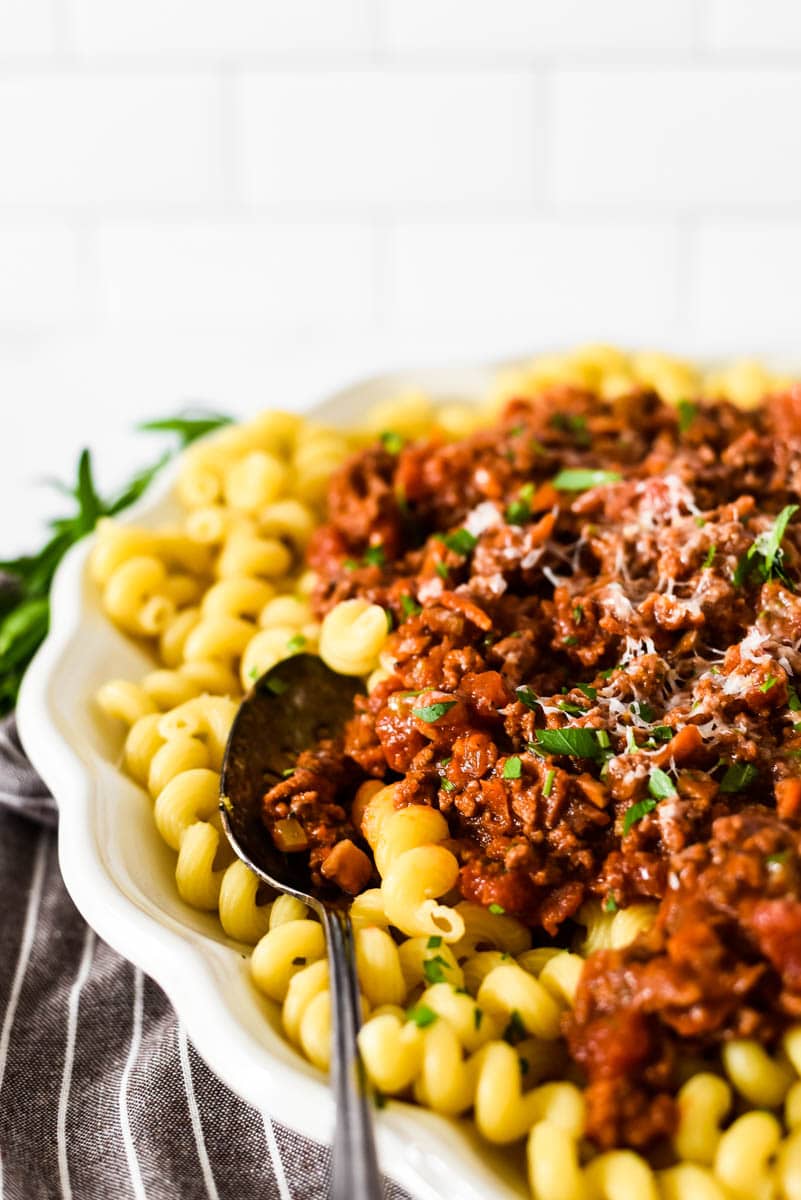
[681,747]
[788,798]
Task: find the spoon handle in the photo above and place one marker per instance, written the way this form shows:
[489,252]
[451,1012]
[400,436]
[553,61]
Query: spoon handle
[354,1163]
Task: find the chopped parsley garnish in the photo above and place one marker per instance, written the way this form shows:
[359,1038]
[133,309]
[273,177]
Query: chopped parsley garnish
[497,910]
[512,768]
[518,512]
[374,556]
[446,785]
[779,858]
[461,541]
[763,559]
[442,569]
[573,424]
[287,772]
[687,411]
[391,441]
[710,556]
[478,1016]
[589,692]
[432,712]
[603,739]
[700,521]
[579,479]
[637,811]
[515,1031]
[296,642]
[662,733]
[350,564]
[276,686]
[581,743]
[643,710]
[434,942]
[610,905]
[660,785]
[409,606]
[575,710]
[769,683]
[794,700]
[578,613]
[547,786]
[422,1015]
[253,673]
[631,742]
[571,640]
[738,777]
[432,969]
[526,696]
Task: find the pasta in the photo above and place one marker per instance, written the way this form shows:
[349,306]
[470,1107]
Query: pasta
[461,1012]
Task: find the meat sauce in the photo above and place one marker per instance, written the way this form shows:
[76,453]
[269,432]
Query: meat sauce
[596,636]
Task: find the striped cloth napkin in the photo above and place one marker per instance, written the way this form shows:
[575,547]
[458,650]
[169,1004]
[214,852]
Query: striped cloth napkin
[101,1094]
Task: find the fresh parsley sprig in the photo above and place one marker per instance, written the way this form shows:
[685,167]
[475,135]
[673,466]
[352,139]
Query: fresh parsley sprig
[25,581]
[764,558]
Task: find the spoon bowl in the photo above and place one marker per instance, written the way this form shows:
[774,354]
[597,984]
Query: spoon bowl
[290,709]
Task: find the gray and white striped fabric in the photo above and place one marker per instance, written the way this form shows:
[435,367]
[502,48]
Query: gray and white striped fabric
[101,1095]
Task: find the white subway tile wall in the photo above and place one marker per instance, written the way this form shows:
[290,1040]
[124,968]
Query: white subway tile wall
[551,169]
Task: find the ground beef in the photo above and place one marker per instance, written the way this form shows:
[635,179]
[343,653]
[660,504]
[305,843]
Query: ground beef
[598,600]
[723,960]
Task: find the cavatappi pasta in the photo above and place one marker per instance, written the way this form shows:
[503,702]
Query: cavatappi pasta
[461,1012]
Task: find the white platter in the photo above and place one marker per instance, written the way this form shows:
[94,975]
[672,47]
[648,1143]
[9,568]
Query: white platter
[121,875]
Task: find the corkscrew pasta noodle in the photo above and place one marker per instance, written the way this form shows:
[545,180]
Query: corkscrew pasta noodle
[461,1013]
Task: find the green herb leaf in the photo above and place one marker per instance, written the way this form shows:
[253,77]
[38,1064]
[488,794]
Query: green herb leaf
[295,643]
[518,512]
[589,692]
[687,412]
[446,785]
[392,442]
[409,607]
[432,712]
[422,1015]
[738,777]
[276,686]
[578,479]
[526,696]
[573,424]
[512,768]
[478,1016]
[497,910]
[374,556]
[433,969]
[769,683]
[764,556]
[710,557]
[461,541]
[442,570]
[581,743]
[778,858]
[637,811]
[794,700]
[515,1031]
[188,427]
[610,904]
[547,786]
[660,785]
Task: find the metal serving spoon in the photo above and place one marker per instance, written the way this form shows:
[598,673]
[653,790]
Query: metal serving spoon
[289,709]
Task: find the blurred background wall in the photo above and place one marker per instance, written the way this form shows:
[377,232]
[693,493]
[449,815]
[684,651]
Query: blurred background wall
[243,201]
